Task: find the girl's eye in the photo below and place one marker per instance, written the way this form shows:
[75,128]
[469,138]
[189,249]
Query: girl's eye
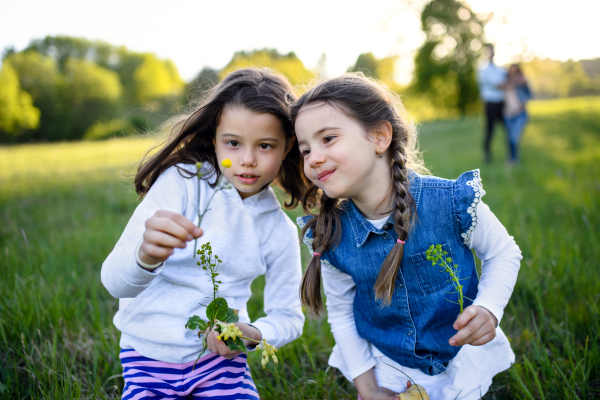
[265,146]
[328,139]
[233,143]
[305,152]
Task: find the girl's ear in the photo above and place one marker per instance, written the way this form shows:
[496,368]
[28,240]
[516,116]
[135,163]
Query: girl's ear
[290,144]
[382,135]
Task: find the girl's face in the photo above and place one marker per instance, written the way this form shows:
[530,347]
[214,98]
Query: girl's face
[339,157]
[255,144]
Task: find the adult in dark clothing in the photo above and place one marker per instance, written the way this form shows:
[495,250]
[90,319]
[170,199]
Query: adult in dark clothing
[490,78]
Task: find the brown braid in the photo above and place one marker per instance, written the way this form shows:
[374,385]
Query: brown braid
[325,236]
[403,210]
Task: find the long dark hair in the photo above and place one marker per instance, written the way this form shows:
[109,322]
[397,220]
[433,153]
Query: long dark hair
[189,138]
[369,103]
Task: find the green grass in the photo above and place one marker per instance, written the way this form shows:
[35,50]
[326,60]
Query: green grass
[63,207]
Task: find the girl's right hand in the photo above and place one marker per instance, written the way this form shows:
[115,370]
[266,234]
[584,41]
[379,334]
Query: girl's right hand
[166,230]
[368,389]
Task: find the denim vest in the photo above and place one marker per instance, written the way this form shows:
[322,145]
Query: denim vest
[415,328]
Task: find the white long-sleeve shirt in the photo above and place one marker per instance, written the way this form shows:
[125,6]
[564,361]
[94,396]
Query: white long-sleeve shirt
[252,236]
[471,371]
[488,78]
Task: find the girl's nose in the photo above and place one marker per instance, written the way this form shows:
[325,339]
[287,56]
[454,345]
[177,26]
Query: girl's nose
[248,159]
[316,158]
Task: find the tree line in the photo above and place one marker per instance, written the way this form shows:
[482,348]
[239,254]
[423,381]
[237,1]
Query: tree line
[65,88]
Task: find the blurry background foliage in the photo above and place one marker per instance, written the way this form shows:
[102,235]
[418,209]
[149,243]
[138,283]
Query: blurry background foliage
[65,88]
[445,63]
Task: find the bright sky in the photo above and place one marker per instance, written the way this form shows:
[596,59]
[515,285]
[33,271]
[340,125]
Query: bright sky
[198,33]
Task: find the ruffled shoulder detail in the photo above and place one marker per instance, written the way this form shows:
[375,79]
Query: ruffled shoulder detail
[308,236]
[308,241]
[468,191]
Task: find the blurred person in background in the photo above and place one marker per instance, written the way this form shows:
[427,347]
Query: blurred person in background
[491,79]
[516,95]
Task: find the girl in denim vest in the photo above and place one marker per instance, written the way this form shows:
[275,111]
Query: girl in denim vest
[390,310]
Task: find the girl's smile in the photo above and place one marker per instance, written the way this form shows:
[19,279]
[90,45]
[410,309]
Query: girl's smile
[247,179]
[323,176]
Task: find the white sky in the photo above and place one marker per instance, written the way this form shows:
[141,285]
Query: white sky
[198,33]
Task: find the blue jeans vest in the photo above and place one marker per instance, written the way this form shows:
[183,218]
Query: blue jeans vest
[415,328]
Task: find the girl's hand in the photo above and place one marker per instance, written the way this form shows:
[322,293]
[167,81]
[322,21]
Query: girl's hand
[380,393]
[385,394]
[219,347]
[367,387]
[476,326]
[166,230]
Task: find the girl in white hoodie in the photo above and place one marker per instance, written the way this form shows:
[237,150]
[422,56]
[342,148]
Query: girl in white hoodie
[246,119]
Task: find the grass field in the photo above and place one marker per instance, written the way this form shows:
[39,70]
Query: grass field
[63,207]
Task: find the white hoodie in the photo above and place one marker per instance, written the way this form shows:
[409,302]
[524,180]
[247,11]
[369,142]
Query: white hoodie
[252,236]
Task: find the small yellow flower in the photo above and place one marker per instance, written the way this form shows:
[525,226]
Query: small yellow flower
[267,350]
[198,165]
[229,331]
[226,163]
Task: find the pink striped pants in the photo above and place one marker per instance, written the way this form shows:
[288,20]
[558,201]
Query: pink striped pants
[214,376]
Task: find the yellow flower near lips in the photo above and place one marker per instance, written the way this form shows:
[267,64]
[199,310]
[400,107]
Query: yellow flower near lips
[226,163]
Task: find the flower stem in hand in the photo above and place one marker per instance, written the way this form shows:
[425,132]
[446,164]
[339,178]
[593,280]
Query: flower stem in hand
[437,256]
[226,163]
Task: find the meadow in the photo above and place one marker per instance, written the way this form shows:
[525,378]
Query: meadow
[63,207]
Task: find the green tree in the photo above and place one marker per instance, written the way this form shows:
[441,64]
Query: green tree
[382,69]
[16,105]
[445,63]
[76,82]
[155,79]
[551,78]
[287,64]
[135,70]
[91,93]
[63,48]
[39,76]
[86,80]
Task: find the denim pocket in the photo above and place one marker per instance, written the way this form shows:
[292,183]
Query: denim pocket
[431,278]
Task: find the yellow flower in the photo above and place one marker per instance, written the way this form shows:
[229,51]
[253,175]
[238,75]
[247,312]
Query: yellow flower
[267,350]
[198,165]
[229,331]
[226,163]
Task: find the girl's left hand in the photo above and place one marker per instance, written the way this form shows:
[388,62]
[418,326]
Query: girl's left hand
[219,347]
[476,326]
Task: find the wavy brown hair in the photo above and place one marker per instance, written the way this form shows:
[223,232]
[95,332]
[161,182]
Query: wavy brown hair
[189,137]
[369,103]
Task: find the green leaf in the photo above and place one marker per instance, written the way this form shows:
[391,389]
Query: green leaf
[237,344]
[196,322]
[217,309]
[233,345]
[231,316]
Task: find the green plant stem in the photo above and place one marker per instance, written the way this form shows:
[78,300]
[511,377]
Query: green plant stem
[201,215]
[456,283]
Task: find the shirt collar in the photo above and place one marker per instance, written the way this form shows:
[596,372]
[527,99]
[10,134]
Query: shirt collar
[361,228]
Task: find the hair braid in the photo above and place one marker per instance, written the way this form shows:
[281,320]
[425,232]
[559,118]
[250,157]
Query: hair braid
[325,236]
[402,212]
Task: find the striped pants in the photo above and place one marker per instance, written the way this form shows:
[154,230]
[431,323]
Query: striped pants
[214,376]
